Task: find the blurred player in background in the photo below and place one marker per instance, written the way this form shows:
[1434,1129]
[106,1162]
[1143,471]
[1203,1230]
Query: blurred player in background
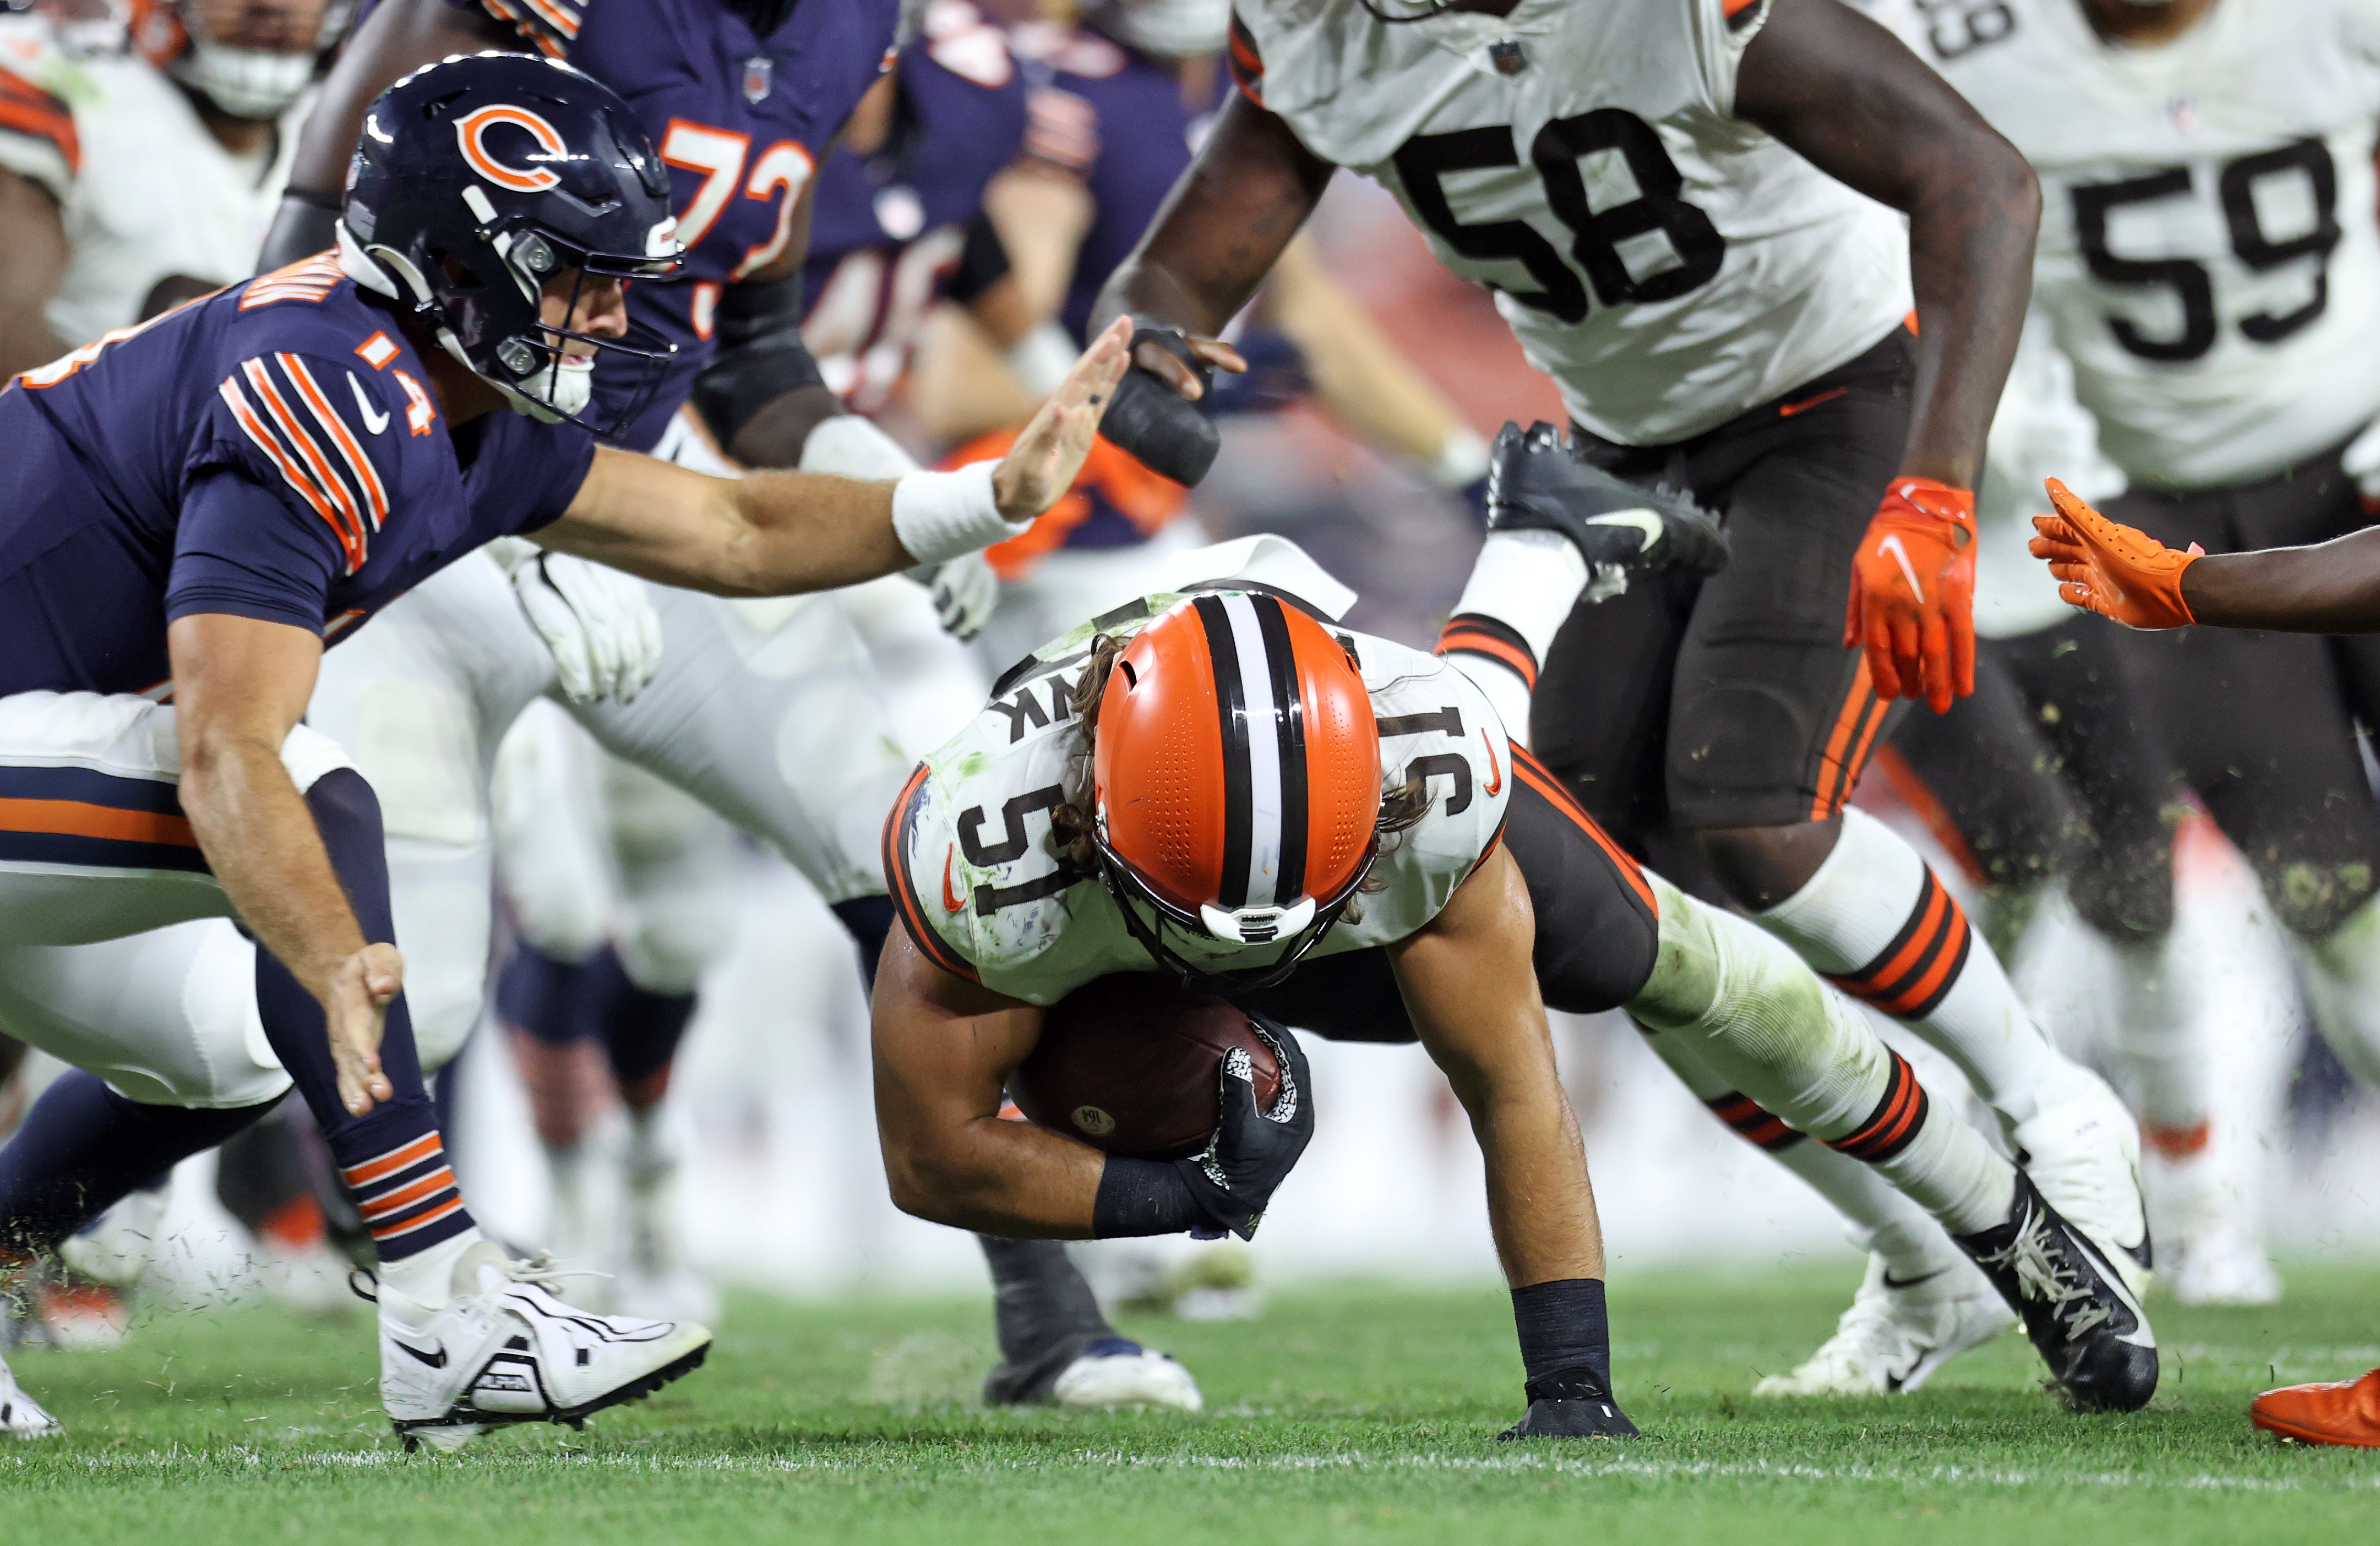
[1732,316]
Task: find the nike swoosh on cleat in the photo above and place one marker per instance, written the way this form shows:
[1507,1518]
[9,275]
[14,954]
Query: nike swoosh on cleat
[1642,520]
[436,1358]
[1787,410]
[373,421]
[1892,1282]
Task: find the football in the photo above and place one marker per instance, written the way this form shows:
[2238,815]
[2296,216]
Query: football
[1129,1064]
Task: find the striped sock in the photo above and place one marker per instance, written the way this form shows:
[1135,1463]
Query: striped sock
[1521,587]
[407,1193]
[1941,1165]
[1877,923]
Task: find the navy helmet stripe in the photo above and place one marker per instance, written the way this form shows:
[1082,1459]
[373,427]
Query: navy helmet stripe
[1231,703]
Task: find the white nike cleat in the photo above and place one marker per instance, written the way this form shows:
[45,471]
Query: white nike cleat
[653,1277]
[1113,1372]
[505,1350]
[2083,1150]
[1897,1334]
[116,1247]
[20,1416]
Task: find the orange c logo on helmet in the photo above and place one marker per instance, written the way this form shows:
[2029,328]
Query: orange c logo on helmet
[471,129]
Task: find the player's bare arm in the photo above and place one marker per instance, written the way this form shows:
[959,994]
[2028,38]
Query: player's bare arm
[240,686]
[1225,226]
[782,533]
[1471,987]
[400,36]
[944,1048]
[774,434]
[2124,573]
[1844,93]
[32,263]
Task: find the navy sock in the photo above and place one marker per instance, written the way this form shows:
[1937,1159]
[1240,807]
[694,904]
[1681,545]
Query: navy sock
[542,997]
[869,919]
[641,1029]
[1565,1338]
[82,1147]
[392,1158]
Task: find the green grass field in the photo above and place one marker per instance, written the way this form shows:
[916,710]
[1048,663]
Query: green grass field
[1356,1413]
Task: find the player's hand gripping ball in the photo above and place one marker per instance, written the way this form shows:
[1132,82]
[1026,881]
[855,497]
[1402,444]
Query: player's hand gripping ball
[1130,1065]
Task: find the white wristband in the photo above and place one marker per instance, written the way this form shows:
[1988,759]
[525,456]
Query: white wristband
[942,516]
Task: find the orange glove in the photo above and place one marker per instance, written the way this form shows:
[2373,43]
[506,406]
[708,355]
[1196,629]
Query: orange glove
[2110,569]
[1913,593]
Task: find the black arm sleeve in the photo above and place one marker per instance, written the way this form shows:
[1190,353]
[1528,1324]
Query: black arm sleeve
[307,224]
[983,263]
[760,356]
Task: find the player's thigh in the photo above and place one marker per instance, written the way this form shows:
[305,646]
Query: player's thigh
[93,843]
[775,719]
[1597,927]
[168,1017]
[1771,718]
[1988,773]
[551,865]
[2091,707]
[1601,716]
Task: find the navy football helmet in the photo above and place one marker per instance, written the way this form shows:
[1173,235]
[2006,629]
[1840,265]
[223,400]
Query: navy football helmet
[479,179]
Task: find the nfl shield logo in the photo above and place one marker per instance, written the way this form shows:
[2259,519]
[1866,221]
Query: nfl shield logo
[760,75]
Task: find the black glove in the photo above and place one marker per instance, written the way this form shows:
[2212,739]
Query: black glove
[1168,433]
[1252,1151]
[1575,1403]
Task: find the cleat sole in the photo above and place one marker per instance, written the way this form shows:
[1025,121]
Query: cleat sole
[474,1422]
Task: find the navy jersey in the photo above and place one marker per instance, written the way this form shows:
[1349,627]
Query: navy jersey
[894,231]
[1117,121]
[740,121]
[271,452]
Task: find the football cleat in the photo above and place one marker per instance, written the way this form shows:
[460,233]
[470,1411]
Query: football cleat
[117,1248]
[1114,1374]
[20,1416]
[1577,1403]
[1897,1334]
[2086,1324]
[504,1351]
[1537,482]
[654,1278]
[2343,1412]
[2083,1150]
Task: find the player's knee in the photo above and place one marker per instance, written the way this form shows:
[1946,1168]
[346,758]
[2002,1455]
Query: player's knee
[2125,903]
[1761,866]
[1588,971]
[669,952]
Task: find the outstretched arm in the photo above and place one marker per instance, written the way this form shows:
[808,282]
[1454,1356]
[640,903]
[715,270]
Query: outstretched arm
[776,534]
[2118,571]
[1844,93]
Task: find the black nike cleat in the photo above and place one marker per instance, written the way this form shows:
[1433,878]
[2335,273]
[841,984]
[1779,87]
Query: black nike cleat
[1537,482]
[2085,1323]
[1577,1404]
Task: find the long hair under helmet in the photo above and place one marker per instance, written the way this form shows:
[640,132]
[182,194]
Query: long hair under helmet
[479,178]
[1235,782]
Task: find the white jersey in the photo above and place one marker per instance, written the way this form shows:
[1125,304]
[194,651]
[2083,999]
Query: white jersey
[985,895]
[2209,255]
[144,190]
[1667,263]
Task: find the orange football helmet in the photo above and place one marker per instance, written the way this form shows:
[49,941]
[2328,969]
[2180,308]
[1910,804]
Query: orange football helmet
[1236,780]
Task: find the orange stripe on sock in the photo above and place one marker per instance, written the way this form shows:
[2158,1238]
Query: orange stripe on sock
[81,819]
[394,1160]
[1478,642]
[2177,1143]
[452,1207]
[1928,935]
[427,1187]
[1938,969]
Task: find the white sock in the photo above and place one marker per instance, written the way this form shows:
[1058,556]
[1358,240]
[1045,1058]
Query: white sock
[2342,984]
[1521,587]
[423,1283]
[1877,922]
[1760,1020]
[2155,1038]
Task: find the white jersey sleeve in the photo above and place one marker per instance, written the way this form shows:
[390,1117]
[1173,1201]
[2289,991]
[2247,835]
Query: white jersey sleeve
[2209,256]
[985,894]
[1668,264]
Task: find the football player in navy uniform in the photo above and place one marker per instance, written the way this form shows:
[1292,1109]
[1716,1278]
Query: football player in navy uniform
[200,506]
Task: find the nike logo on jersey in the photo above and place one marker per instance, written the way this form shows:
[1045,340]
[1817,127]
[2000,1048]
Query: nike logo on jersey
[1908,570]
[435,1358]
[374,420]
[1494,784]
[1787,410]
[1642,520]
[952,900]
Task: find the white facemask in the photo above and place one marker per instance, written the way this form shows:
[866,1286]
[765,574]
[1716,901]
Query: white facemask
[1168,28]
[244,82]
